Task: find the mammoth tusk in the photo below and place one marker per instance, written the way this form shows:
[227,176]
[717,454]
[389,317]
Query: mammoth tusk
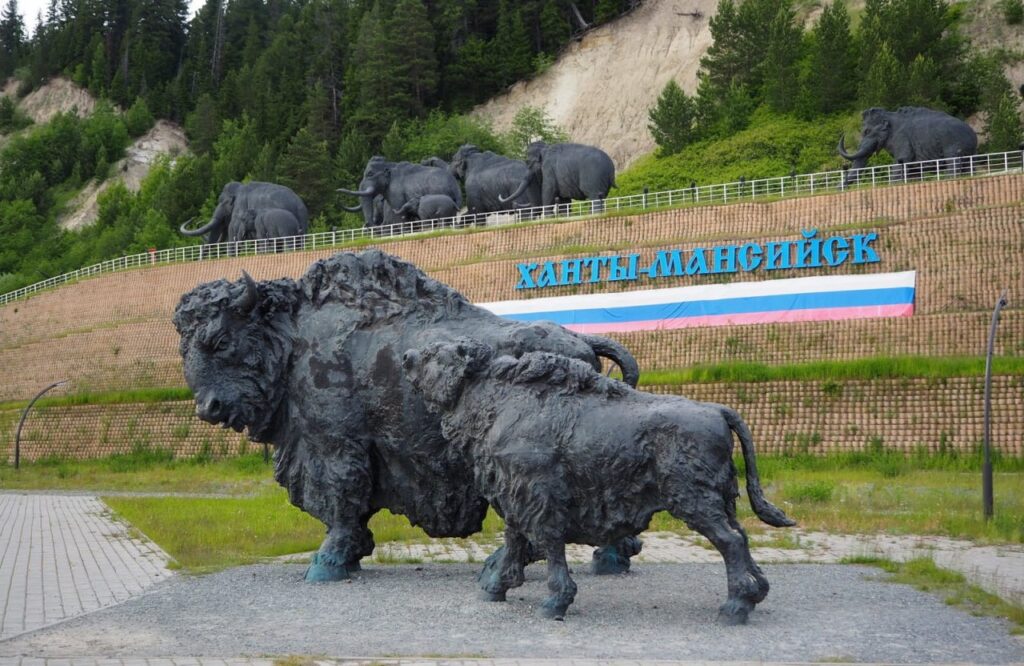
[358,193]
[353,209]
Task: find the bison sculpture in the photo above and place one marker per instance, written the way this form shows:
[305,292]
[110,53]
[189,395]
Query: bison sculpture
[313,366]
[566,455]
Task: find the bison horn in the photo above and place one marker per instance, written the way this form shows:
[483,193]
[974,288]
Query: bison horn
[247,301]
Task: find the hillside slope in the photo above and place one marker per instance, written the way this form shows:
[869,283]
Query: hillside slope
[60,95]
[600,89]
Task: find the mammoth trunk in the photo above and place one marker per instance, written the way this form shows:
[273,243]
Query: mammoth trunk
[860,157]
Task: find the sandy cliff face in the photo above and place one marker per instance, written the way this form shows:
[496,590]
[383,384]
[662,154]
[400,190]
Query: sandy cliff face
[601,88]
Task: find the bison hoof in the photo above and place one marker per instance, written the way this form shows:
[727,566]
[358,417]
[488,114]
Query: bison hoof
[323,572]
[491,565]
[492,596]
[733,612]
[613,560]
[551,610]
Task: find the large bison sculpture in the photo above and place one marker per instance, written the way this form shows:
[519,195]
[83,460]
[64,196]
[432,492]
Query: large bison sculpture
[566,455]
[313,366]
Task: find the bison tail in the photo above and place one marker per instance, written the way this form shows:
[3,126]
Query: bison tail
[764,509]
[610,349]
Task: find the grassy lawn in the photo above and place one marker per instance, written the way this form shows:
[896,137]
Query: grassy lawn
[872,492]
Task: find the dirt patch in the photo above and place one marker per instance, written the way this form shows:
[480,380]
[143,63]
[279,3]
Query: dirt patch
[58,96]
[601,88]
[164,138]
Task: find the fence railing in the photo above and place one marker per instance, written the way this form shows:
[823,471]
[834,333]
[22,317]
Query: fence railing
[741,190]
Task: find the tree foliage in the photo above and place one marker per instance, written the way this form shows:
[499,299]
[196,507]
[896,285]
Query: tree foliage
[673,119]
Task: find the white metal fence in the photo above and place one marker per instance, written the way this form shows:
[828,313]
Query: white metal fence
[742,190]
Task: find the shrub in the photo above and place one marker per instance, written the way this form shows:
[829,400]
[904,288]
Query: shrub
[138,118]
[1013,11]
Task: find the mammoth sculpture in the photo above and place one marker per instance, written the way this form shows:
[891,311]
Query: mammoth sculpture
[398,182]
[381,213]
[909,134]
[566,171]
[313,366]
[434,161]
[487,176]
[429,207]
[234,204]
[566,455]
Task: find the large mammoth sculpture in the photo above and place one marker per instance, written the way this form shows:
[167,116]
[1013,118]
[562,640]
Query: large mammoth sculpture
[229,220]
[381,214]
[909,134]
[487,176]
[398,182]
[566,171]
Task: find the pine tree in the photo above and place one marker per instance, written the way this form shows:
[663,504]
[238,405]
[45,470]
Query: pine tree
[412,52]
[554,28]
[831,80]
[373,78]
[923,85]
[1003,125]
[781,78]
[673,119]
[884,83]
[12,38]
[511,45]
[305,167]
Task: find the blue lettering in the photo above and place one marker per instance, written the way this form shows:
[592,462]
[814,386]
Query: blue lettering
[525,277]
[595,267]
[547,276]
[750,256]
[777,255]
[863,253]
[698,263]
[725,258]
[571,271]
[617,273]
[666,263]
[836,251]
[808,254]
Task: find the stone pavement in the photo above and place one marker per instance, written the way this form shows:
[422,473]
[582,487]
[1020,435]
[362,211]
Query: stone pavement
[293,661]
[64,556]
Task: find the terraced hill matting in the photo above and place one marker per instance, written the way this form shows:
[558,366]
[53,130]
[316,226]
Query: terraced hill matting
[964,238]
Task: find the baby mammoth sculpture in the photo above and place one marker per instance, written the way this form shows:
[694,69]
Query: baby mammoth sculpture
[429,207]
[566,455]
[314,366]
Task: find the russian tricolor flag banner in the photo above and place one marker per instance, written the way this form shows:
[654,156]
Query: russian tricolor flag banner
[821,298]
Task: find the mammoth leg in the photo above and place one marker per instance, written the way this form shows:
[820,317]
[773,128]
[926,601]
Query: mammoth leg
[710,515]
[340,552]
[562,586]
[503,570]
[614,558]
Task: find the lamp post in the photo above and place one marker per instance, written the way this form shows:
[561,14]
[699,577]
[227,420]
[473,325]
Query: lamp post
[24,415]
[986,470]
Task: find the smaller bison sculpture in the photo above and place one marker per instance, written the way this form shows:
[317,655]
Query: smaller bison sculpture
[566,455]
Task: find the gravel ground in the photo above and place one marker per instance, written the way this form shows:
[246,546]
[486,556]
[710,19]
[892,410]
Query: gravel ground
[660,611]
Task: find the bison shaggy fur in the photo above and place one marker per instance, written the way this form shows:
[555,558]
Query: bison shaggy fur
[566,455]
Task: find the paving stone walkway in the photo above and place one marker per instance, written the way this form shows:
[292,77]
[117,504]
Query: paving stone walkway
[62,556]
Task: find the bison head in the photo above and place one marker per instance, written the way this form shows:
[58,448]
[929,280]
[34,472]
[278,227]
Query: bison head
[236,338]
[439,370]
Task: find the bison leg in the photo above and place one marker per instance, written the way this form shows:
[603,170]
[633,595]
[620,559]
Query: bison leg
[747,585]
[614,559]
[562,586]
[504,568]
[340,553]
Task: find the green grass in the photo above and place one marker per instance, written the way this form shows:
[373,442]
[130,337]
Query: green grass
[144,470]
[925,575]
[833,371]
[770,147]
[106,398]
